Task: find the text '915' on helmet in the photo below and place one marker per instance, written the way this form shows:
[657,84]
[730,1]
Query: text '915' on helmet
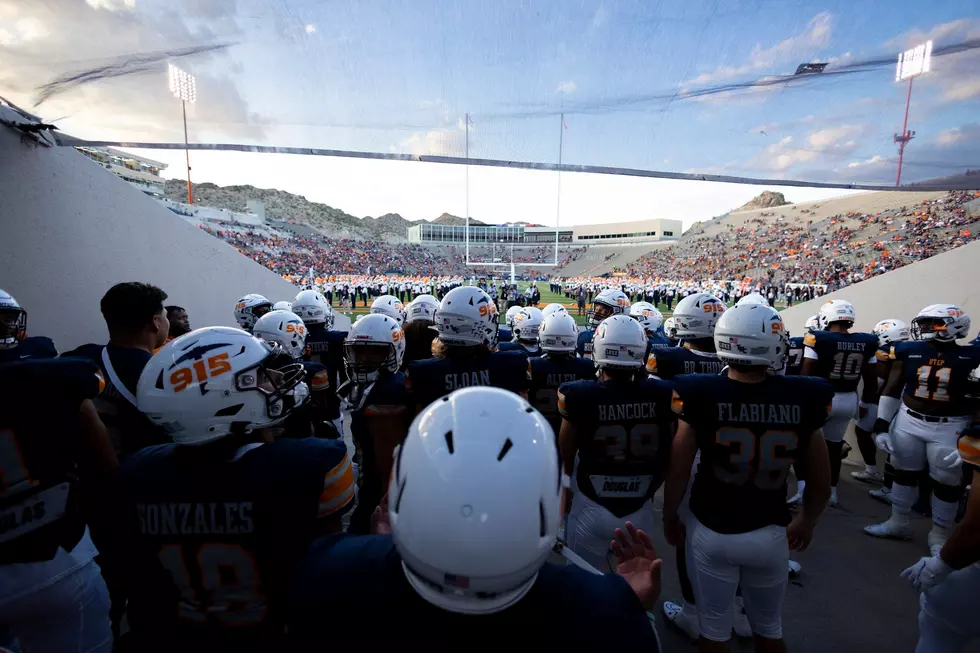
[943,322]
[467,316]
[558,333]
[696,316]
[313,308]
[752,334]
[511,315]
[619,343]
[284,328]
[13,321]
[607,303]
[891,331]
[648,316]
[249,309]
[374,343]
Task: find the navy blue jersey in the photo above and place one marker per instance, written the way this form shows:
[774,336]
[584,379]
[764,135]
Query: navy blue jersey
[504,334]
[31,348]
[546,374]
[516,345]
[749,435]
[386,397]
[936,375]
[316,412]
[670,363]
[327,348]
[39,447]
[428,380]
[794,357]
[347,577]
[841,357]
[624,430]
[213,535]
[659,341]
[584,345]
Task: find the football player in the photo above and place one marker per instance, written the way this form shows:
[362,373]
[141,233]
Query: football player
[553,307]
[324,345]
[15,344]
[794,359]
[615,441]
[845,359]
[754,298]
[215,521]
[609,302]
[652,322]
[391,306]
[921,428]
[283,306]
[422,308]
[749,427]
[558,365]
[527,324]
[694,319]
[249,309]
[506,334]
[670,331]
[473,512]
[467,326]
[376,399]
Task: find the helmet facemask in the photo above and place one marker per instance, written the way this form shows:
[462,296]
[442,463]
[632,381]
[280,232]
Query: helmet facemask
[930,328]
[13,327]
[283,386]
[366,359]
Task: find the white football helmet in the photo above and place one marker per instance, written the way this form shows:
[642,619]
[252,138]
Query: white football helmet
[670,328]
[283,306]
[752,299]
[558,333]
[943,322]
[511,314]
[619,343]
[812,323]
[375,342]
[474,500]
[696,316]
[250,308]
[648,316]
[891,331]
[423,307]
[467,316]
[527,323]
[836,310]
[313,308]
[608,302]
[391,306]
[752,334]
[554,307]
[13,321]
[283,328]
[215,382]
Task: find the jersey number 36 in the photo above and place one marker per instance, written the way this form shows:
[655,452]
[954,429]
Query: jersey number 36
[763,460]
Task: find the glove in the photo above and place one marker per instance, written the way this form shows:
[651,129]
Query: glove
[884,442]
[953,460]
[927,573]
[881,426]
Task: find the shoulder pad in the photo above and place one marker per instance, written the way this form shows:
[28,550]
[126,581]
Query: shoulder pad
[810,340]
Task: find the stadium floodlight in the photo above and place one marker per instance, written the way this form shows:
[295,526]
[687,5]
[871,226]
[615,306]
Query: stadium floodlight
[911,63]
[183,85]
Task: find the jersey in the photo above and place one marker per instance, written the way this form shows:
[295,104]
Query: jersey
[840,357]
[794,357]
[672,362]
[31,348]
[504,334]
[213,536]
[546,374]
[430,379]
[583,347]
[521,347]
[327,348]
[658,341]
[625,430]
[315,411]
[749,434]
[349,576]
[39,445]
[936,375]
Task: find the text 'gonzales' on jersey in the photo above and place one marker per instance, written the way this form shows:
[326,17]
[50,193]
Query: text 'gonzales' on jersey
[432,378]
[840,357]
[749,434]
[669,363]
[624,431]
[936,375]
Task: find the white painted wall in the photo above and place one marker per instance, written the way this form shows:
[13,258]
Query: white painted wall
[950,277]
[69,230]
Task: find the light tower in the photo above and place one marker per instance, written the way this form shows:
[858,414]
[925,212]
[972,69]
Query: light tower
[184,87]
[911,64]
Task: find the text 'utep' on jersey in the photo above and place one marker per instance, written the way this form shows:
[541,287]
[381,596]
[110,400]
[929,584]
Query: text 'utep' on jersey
[841,357]
[672,362]
[327,348]
[794,357]
[430,379]
[546,374]
[625,429]
[935,375]
[749,435]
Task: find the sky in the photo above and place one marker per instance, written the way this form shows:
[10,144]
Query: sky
[593,82]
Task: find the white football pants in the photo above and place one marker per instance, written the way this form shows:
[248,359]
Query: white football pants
[590,528]
[947,616]
[842,411]
[919,443]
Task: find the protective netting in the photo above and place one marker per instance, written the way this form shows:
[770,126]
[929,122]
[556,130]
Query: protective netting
[765,89]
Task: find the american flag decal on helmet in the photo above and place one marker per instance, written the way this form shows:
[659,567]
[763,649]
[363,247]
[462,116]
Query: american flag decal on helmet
[461,582]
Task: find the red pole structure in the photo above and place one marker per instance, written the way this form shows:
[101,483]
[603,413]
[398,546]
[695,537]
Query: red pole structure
[903,138]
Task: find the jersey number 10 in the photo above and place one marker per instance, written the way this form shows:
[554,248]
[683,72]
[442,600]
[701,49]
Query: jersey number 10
[847,366]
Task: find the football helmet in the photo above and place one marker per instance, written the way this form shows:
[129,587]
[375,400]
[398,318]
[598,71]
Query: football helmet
[283,328]
[527,323]
[554,307]
[558,333]
[648,316]
[836,310]
[696,316]
[812,324]
[313,308]
[943,322]
[670,328]
[619,343]
[283,306]
[13,321]
[391,306]
[423,307]
[511,314]
[608,302]
[752,299]
[375,342]
[752,334]
[474,500]
[215,382]
[467,316]
[891,331]
[249,309]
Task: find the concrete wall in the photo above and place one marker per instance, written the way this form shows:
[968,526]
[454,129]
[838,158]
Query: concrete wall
[69,230]
[902,293]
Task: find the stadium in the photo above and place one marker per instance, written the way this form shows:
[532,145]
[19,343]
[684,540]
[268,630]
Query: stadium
[88,207]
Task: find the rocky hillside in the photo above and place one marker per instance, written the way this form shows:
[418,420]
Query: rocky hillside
[767,200]
[450,219]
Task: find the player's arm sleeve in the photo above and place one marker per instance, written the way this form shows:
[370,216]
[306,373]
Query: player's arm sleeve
[320,381]
[810,346]
[565,399]
[337,494]
[652,365]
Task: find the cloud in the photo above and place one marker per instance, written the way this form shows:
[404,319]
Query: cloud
[873,161]
[820,146]
[112,5]
[942,34]
[436,142]
[600,16]
[566,87]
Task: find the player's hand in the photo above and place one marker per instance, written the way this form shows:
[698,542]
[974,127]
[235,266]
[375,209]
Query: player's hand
[881,426]
[799,533]
[380,524]
[927,573]
[884,442]
[638,564]
[953,460]
[674,532]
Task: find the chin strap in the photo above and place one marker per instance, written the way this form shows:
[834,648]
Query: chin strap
[561,548]
[353,396]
